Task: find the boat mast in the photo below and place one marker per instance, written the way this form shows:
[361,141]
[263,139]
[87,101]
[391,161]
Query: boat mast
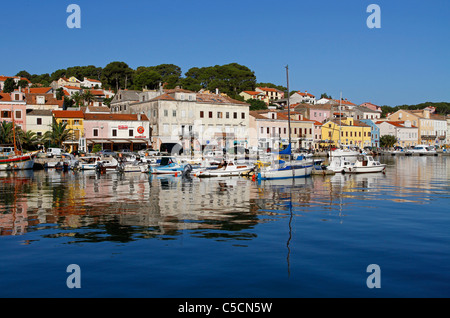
[14,130]
[340,116]
[289,108]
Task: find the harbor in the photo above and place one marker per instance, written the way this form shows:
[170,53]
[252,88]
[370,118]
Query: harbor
[167,236]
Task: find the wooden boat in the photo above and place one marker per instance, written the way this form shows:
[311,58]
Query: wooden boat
[365,164]
[11,159]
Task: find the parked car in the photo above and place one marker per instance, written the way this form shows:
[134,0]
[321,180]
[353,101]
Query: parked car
[52,152]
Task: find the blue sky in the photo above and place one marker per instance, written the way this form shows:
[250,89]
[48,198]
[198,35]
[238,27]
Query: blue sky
[326,43]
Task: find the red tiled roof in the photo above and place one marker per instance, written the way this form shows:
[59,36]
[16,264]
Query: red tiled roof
[39,90]
[68,114]
[5,97]
[269,89]
[122,117]
[73,87]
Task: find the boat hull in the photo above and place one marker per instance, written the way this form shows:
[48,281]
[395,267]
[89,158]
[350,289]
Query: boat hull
[17,163]
[212,173]
[296,172]
[369,169]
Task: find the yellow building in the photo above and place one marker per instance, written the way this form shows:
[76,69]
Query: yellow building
[347,132]
[75,122]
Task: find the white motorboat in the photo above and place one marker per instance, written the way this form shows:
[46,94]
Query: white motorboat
[168,165]
[365,164]
[337,164]
[136,166]
[421,150]
[93,162]
[228,169]
[287,170]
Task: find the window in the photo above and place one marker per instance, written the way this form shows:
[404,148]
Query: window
[166,113]
[130,132]
[38,121]
[234,115]
[201,114]
[95,132]
[243,116]
[114,133]
[174,113]
[219,114]
[18,114]
[310,131]
[6,114]
[284,130]
[210,115]
[268,130]
[227,115]
[262,130]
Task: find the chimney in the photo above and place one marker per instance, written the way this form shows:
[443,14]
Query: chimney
[426,113]
[139,116]
[217,91]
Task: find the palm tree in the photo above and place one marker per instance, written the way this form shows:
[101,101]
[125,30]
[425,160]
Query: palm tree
[58,134]
[77,98]
[6,133]
[88,97]
[28,139]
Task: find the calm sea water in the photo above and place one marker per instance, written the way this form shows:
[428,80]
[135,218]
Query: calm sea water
[141,236]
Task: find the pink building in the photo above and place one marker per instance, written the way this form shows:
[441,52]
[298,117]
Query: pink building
[13,107]
[372,106]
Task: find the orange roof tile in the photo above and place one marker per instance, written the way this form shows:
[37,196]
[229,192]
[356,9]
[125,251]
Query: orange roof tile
[68,114]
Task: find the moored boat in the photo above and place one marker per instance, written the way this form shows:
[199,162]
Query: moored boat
[365,164]
[228,169]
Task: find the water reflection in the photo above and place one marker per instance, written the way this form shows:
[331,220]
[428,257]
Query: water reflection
[87,207]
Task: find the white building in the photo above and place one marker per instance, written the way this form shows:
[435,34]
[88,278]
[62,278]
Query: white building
[406,133]
[39,121]
[192,119]
[91,83]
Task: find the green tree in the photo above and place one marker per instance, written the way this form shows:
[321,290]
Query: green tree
[388,141]
[60,93]
[77,98]
[87,96]
[117,75]
[256,104]
[24,74]
[58,134]
[6,132]
[9,85]
[28,139]
[324,95]
[146,77]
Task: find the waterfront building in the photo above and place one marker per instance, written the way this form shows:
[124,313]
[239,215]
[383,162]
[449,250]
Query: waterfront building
[269,130]
[75,121]
[193,120]
[39,121]
[346,131]
[116,131]
[432,130]
[13,107]
[407,134]
[374,132]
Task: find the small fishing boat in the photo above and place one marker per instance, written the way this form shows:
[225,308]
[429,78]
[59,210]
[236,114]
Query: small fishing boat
[227,169]
[11,159]
[92,163]
[168,165]
[365,164]
[281,169]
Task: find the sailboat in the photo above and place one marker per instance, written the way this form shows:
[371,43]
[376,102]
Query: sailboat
[13,159]
[287,169]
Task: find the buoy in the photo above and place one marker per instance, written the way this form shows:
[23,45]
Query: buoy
[176,174]
[254,177]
